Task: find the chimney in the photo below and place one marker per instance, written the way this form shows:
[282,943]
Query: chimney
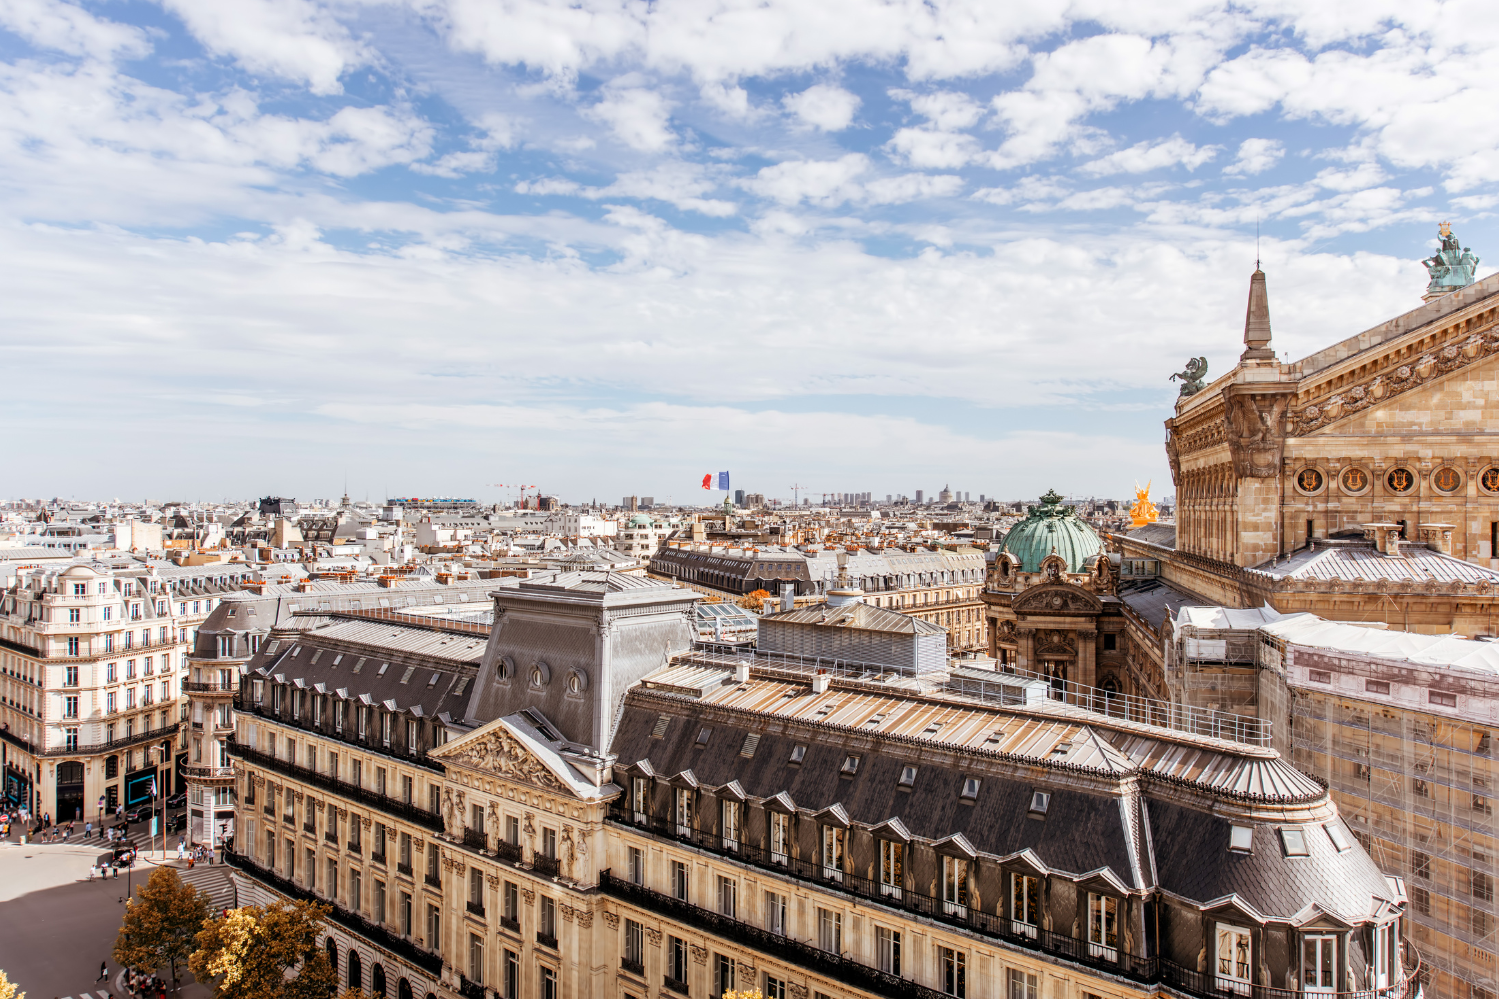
[820,682]
[1386,538]
[1438,536]
[1257,320]
[788,596]
[741,672]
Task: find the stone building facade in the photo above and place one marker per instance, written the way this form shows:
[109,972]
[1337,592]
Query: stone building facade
[701,826]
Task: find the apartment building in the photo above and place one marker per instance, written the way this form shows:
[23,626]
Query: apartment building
[937,586]
[596,808]
[91,665]
[232,635]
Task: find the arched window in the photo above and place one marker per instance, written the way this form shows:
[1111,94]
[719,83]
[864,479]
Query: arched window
[332,946]
[403,989]
[356,971]
[377,980]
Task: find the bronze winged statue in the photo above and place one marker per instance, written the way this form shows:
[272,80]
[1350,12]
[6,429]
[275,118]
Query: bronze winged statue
[1191,378]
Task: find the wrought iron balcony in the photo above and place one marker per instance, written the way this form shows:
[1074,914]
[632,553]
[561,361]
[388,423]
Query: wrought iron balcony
[477,908]
[546,940]
[374,799]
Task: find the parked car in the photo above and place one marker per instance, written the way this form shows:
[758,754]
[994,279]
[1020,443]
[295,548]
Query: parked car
[177,800]
[177,823]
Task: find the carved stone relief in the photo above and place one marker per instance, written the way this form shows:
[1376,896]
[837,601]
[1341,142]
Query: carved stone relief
[500,753]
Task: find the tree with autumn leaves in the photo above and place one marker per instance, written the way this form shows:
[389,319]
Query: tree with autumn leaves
[8,988]
[252,952]
[161,923]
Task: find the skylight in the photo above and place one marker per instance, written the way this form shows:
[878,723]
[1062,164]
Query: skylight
[1040,802]
[907,776]
[798,753]
[1294,840]
[971,787]
[703,735]
[1241,838]
[1338,835]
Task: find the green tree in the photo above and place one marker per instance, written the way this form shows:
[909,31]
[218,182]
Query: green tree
[161,923]
[250,952]
[8,988]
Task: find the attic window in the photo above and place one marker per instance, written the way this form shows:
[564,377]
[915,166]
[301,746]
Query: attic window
[1294,841]
[382,669]
[338,659]
[406,676]
[703,735]
[1338,836]
[875,719]
[1319,676]
[1040,802]
[995,737]
[1061,749]
[798,753]
[1241,839]
[359,665]
[850,766]
[659,732]
[971,787]
[433,681]
[462,685]
[270,649]
[827,708]
[751,743]
[907,776]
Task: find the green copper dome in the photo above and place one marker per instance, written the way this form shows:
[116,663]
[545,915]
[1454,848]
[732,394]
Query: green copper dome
[1052,527]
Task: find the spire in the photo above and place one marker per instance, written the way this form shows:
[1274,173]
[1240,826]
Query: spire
[1257,320]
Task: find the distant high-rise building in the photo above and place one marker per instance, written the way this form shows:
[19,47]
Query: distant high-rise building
[631,503]
[739,497]
[646,502]
[919,495]
[887,498]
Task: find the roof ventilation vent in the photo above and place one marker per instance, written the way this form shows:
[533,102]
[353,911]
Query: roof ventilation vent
[820,682]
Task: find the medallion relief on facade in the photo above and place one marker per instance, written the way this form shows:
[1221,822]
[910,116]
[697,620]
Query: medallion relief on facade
[1057,598]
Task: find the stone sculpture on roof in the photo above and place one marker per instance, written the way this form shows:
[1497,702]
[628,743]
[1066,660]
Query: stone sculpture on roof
[1451,267]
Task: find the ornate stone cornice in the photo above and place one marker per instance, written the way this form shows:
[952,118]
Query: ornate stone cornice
[1393,379]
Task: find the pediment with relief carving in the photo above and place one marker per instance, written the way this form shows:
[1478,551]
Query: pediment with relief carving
[498,753]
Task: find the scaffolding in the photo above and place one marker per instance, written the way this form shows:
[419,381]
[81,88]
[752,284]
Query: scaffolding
[1415,788]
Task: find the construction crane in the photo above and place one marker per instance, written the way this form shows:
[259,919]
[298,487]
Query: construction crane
[795,498]
[512,485]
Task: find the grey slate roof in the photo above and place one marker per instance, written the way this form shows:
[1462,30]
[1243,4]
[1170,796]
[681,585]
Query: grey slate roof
[1358,561]
[865,617]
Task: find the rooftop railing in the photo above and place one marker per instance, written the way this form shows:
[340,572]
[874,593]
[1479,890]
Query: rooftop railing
[1006,689]
[386,804]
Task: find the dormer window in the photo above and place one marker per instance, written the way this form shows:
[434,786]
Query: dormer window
[798,753]
[850,766]
[1040,802]
[971,787]
[907,777]
[703,735]
[1241,839]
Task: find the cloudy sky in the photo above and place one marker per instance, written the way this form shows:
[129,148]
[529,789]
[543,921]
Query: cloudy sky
[606,246]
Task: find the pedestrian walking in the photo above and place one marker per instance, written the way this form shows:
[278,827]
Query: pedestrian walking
[88,829]
[210,855]
[103,971]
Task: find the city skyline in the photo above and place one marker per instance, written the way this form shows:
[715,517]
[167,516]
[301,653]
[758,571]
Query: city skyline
[406,244]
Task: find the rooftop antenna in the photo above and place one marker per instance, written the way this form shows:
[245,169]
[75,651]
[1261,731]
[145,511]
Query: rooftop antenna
[1256,242]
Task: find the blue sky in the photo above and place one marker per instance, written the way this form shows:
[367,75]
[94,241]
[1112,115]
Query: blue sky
[605,246]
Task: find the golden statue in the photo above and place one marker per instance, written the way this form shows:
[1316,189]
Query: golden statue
[1144,511]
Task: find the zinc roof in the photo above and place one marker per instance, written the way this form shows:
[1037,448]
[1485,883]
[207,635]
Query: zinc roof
[1366,563]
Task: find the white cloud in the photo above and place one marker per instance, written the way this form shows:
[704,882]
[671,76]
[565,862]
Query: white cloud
[819,182]
[823,106]
[636,114]
[65,27]
[294,39]
[939,143]
[912,187]
[497,132]
[1148,155]
[675,182]
[1255,156]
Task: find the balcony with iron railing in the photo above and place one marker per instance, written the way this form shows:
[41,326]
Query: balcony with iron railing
[374,799]
[1114,960]
[374,932]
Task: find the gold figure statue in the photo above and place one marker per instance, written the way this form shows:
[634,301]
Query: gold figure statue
[1143,512]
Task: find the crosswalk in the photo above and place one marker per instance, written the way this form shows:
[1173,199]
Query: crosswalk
[95,994]
[214,880]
